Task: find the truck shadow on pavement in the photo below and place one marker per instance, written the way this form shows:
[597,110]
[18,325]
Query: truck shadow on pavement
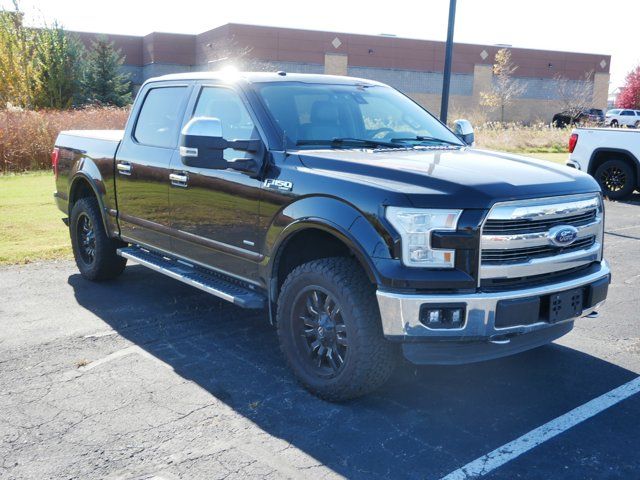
[426,422]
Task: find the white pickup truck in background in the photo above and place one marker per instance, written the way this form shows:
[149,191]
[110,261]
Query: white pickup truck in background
[610,155]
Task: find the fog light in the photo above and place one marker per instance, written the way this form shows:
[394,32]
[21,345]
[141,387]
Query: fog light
[442,316]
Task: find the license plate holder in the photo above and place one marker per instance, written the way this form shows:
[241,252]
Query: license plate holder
[564,305]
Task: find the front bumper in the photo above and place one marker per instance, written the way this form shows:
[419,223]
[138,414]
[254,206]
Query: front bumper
[400,313]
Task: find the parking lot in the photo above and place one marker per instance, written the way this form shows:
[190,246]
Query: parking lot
[146,378]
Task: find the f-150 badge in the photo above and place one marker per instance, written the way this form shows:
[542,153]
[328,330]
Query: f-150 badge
[281,185]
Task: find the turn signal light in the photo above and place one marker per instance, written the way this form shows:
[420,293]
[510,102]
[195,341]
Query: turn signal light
[573,139]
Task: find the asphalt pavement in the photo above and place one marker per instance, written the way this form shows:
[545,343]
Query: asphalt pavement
[146,378]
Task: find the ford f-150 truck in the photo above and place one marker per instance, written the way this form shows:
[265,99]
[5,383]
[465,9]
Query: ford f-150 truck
[611,155]
[360,223]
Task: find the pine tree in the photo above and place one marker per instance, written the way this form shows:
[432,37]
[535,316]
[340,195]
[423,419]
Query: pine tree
[629,96]
[104,82]
[60,59]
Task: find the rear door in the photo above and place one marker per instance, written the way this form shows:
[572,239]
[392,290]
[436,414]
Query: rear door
[142,163]
[215,212]
[628,118]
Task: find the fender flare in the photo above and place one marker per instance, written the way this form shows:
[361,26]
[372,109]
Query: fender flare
[343,221]
[83,176]
[614,150]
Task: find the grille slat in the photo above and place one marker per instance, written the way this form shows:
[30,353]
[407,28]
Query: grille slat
[510,227]
[521,255]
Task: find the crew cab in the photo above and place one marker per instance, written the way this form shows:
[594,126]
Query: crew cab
[359,222]
[610,155]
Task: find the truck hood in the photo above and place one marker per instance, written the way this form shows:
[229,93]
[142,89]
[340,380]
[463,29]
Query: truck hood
[457,178]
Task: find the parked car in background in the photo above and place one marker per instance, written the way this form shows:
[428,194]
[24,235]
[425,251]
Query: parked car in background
[611,156]
[580,116]
[621,116]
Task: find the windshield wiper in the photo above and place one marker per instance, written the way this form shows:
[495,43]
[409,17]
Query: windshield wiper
[345,141]
[421,138]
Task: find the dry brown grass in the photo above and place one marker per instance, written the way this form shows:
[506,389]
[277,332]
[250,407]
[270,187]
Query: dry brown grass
[536,137]
[27,137]
[513,137]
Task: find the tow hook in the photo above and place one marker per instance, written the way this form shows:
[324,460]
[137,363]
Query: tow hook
[500,339]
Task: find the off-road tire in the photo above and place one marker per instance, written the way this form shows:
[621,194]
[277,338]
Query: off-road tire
[624,173]
[370,359]
[105,263]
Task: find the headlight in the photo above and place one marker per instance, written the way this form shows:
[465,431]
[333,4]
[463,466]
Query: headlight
[415,227]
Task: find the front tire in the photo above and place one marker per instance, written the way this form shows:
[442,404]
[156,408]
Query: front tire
[95,253]
[616,178]
[614,124]
[330,330]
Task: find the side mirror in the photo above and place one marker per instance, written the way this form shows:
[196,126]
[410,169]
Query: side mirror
[202,145]
[464,131]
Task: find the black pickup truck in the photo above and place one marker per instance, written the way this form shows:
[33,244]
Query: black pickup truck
[360,223]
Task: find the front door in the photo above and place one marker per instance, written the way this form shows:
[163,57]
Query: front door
[215,212]
[142,165]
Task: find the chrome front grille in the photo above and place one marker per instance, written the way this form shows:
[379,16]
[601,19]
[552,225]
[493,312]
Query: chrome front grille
[504,227]
[518,237]
[518,255]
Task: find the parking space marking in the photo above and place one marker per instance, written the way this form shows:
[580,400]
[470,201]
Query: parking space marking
[501,455]
[134,349]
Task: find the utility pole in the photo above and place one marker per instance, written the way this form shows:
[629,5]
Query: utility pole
[446,80]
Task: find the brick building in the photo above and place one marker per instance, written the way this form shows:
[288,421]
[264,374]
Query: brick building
[412,66]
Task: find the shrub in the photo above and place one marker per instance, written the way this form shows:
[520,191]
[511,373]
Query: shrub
[27,137]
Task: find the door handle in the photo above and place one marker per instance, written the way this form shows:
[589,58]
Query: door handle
[179,179]
[124,168]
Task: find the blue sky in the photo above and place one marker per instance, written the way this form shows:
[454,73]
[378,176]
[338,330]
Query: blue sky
[590,26]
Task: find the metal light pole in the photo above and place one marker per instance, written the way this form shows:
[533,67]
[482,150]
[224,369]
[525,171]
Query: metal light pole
[446,80]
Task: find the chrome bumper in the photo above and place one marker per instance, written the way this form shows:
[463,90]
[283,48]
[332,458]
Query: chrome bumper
[400,313]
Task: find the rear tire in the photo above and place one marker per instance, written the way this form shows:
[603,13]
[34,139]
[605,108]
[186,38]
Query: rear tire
[616,178]
[94,252]
[330,330]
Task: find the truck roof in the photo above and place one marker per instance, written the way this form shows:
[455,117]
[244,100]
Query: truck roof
[259,77]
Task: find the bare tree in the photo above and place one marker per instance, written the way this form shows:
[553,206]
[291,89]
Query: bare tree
[228,52]
[504,89]
[574,95]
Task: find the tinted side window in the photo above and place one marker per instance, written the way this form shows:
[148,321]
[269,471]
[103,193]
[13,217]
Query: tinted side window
[627,113]
[225,105]
[160,117]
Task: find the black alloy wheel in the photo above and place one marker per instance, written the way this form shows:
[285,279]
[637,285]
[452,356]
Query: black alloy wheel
[322,332]
[617,179]
[86,238]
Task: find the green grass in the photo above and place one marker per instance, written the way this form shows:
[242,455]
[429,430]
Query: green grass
[30,225]
[560,158]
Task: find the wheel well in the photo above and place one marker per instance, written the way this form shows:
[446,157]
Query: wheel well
[81,188]
[305,246]
[604,155]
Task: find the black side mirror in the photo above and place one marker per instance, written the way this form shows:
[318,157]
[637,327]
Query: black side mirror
[202,145]
[464,131]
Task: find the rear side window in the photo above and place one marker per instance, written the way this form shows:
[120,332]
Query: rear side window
[160,117]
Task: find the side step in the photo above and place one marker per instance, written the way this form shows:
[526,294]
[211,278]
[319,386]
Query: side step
[229,289]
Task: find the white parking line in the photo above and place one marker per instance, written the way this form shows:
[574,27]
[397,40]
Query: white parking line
[501,455]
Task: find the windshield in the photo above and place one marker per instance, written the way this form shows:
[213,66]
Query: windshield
[312,115]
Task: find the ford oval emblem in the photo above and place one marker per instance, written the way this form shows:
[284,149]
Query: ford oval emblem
[562,235]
